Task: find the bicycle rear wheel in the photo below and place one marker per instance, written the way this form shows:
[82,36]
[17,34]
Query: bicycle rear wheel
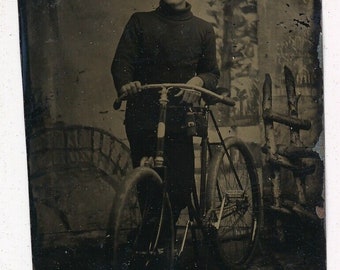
[140,232]
[234,204]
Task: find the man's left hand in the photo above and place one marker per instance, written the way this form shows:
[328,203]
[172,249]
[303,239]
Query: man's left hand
[191,96]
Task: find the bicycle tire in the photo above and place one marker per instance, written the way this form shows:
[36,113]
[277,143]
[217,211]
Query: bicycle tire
[132,241]
[235,240]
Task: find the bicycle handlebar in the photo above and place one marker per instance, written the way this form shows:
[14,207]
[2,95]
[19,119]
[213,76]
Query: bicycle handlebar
[222,99]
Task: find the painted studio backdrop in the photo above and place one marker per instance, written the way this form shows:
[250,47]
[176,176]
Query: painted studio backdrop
[77,148]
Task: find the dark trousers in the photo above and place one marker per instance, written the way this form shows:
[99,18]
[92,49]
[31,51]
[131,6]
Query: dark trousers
[179,159]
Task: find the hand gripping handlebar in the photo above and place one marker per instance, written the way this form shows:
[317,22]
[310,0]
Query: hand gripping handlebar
[220,98]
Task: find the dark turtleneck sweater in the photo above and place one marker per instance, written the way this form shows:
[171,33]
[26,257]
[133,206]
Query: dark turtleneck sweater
[163,46]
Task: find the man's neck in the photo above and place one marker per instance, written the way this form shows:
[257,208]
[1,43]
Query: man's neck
[181,12]
[179,6]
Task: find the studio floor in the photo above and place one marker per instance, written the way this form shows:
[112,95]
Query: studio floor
[302,248]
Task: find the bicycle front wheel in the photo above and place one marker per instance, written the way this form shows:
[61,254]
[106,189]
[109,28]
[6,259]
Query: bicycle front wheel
[234,203]
[140,232]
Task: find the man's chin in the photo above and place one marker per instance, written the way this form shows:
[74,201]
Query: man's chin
[174,2]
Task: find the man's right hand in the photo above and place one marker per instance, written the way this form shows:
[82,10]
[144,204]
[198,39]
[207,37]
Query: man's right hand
[131,88]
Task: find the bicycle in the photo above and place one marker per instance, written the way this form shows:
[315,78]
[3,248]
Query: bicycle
[227,208]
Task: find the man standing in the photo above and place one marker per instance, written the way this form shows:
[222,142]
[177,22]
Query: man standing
[167,45]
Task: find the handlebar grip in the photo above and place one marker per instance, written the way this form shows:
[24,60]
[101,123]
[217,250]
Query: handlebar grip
[118,102]
[227,101]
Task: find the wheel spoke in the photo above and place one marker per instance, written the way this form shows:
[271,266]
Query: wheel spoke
[235,183]
[137,233]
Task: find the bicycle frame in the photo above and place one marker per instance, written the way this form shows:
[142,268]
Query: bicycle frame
[197,208]
[206,150]
[163,101]
[205,144]
[207,206]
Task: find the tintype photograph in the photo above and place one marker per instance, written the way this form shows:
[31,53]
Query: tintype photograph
[173,134]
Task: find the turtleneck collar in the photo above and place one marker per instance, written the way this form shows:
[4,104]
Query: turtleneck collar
[174,14]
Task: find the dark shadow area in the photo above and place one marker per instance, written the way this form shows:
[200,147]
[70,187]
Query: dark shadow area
[302,248]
